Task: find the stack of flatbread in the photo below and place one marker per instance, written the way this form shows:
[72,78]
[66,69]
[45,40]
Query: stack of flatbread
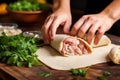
[67,52]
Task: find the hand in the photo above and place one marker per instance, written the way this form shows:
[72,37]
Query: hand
[91,26]
[49,28]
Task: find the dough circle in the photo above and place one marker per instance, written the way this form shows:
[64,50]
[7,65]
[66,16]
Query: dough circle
[115,54]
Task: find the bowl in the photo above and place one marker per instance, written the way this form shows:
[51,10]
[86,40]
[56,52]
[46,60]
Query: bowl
[28,16]
[9,29]
[28,11]
[10,25]
[35,34]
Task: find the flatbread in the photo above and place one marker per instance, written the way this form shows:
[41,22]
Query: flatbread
[104,41]
[115,54]
[54,60]
[57,43]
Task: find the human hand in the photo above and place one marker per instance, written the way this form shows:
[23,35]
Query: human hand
[92,26]
[49,28]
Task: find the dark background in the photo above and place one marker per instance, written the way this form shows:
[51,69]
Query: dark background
[89,6]
[7,1]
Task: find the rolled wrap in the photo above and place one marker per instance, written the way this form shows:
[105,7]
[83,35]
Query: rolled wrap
[69,46]
[104,41]
[115,54]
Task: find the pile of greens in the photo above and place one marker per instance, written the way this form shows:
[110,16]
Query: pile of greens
[27,5]
[18,50]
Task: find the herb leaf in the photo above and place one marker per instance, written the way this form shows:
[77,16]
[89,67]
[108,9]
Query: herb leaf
[45,74]
[104,75]
[78,72]
[19,49]
[101,78]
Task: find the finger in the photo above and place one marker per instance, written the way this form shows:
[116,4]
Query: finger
[84,28]
[99,35]
[66,27]
[76,26]
[91,33]
[45,29]
[49,18]
[46,38]
[55,24]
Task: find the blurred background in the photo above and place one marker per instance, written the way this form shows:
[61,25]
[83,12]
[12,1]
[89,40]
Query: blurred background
[78,6]
[93,5]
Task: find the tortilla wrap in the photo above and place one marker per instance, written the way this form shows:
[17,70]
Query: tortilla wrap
[59,44]
[69,45]
[53,59]
[104,41]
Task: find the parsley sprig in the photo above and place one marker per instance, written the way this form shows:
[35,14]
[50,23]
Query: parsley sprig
[19,49]
[104,75]
[78,72]
[45,74]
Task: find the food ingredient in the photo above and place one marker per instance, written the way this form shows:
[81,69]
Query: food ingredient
[104,75]
[27,5]
[3,9]
[18,50]
[78,72]
[42,1]
[70,46]
[9,31]
[114,54]
[45,74]
[50,57]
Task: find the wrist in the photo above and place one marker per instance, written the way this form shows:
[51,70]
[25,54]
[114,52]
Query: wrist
[61,4]
[112,11]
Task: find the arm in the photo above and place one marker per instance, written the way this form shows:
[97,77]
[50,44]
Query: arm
[113,10]
[95,25]
[63,4]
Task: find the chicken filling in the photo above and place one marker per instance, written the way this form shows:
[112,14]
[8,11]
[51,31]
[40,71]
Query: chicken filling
[74,47]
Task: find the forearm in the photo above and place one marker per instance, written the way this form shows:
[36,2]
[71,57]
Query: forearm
[113,10]
[63,4]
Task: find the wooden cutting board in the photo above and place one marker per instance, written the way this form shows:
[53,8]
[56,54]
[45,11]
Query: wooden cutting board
[23,73]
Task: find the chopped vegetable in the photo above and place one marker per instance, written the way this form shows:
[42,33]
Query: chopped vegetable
[101,78]
[27,5]
[104,75]
[45,74]
[17,50]
[79,72]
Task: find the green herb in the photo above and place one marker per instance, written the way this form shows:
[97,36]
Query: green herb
[45,74]
[27,5]
[101,78]
[104,75]
[78,72]
[17,50]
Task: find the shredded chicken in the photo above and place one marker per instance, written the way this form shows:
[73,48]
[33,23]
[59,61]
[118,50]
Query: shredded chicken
[73,47]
